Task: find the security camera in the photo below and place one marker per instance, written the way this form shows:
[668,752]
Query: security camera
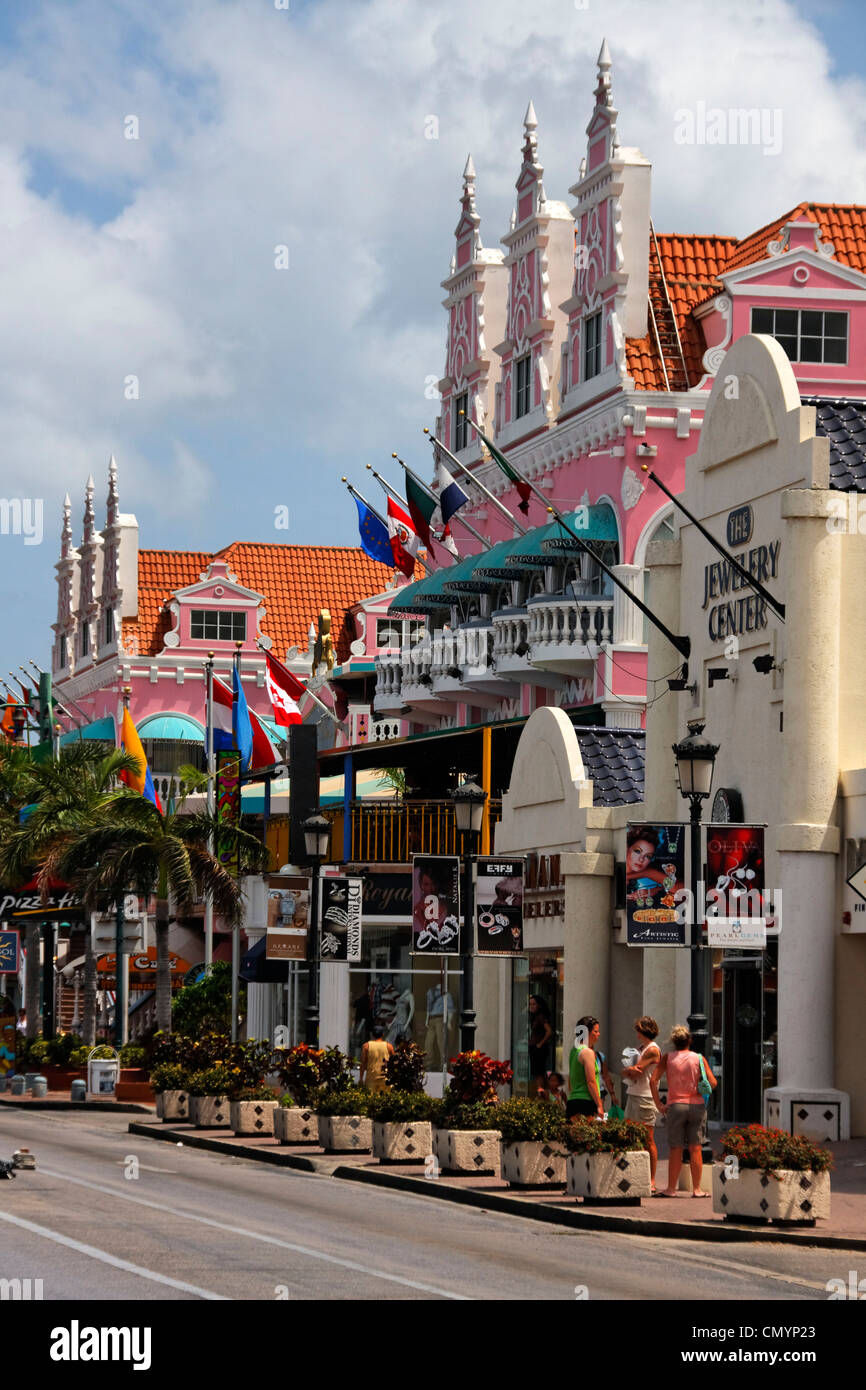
[765,664]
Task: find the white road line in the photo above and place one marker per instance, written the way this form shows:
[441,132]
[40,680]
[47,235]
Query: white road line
[720,1263]
[369,1270]
[107,1259]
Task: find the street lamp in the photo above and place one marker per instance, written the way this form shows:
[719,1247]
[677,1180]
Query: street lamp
[696,757]
[317,841]
[469,800]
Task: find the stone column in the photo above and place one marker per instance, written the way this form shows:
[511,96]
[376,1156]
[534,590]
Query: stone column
[587,943]
[627,617]
[805,1100]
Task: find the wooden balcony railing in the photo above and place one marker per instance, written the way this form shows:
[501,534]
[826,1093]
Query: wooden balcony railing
[383,832]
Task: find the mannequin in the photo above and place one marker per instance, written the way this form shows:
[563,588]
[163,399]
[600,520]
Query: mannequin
[439,1004]
[401,1028]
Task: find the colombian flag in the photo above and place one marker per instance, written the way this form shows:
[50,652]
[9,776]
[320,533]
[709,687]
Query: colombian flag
[142,782]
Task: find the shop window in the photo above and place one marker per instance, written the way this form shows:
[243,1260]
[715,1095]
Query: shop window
[213,626]
[807,335]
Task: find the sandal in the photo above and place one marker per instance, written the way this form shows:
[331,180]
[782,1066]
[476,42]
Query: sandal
[660,1192]
[701,1193]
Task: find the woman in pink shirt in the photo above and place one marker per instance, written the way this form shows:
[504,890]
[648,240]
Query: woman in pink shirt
[685,1109]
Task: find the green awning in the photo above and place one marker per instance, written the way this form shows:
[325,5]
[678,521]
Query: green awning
[173,727]
[540,547]
[472,575]
[100,729]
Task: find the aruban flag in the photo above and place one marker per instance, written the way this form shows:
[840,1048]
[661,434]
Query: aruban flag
[524,491]
[404,539]
[140,781]
[284,691]
[264,754]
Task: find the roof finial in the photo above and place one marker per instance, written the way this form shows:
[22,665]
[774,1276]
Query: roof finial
[530,120]
[66,529]
[111,504]
[603,93]
[469,171]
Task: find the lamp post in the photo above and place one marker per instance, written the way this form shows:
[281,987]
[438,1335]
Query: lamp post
[696,757]
[469,800]
[317,841]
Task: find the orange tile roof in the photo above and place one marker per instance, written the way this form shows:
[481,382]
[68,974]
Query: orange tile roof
[692,266]
[297,581]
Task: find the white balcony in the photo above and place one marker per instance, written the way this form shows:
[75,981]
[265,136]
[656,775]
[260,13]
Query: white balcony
[565,634]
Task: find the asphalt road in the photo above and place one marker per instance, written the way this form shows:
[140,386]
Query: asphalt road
[196,1225]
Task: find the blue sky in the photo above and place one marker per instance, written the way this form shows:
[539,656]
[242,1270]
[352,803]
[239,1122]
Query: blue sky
[257,128]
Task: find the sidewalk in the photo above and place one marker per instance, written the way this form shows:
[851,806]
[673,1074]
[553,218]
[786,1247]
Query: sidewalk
[59,1100]
[682,1217]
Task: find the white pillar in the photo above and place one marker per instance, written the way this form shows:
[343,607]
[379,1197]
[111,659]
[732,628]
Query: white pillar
[627,617]
[587,940]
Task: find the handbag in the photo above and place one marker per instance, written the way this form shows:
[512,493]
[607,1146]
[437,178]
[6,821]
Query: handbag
[705,1090]
[616,1112]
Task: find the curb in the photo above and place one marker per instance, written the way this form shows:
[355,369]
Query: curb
[122,1107]
[577,1218]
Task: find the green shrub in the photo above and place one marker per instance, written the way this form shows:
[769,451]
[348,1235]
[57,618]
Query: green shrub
[287,1100]
[583,1135]
[353,1100]
[405,1069]
[169,1076]
[255,1093]
[473,1115]
[215,1081]
[521,1119]
[400,1106]
[133,1055]
[773,1149]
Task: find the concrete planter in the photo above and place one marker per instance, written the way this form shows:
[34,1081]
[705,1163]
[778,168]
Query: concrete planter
[296,1125]
[209,1112]
[252,1116]
[623,1177]
[756,1196]
[532,1163]
[172,1105]
[340,1134]
[410,1141]
[465,1151]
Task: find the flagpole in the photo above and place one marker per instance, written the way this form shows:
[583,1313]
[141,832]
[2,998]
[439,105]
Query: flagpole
[236,931]
[455,516]
[341,725]
[208,901]
[681,644]
[387,486]
[355,493]
[500,506]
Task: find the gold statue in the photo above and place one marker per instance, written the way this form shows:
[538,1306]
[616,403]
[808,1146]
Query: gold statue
[323,651]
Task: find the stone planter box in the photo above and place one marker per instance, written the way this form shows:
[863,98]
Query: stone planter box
[340,1134]
[623,1177]
[465,1151]
[755,1196]
[252,1116]
[172,1105]
[409,1141]
[209,1112]
[532,1163]
[296,1125]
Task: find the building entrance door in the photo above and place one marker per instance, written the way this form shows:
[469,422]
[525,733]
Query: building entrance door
[742,1038]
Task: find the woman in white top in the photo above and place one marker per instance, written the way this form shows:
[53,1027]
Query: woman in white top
[639,1104]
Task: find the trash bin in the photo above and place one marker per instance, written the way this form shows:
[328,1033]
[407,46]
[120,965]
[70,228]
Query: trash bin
[102,1075]
[40,1087]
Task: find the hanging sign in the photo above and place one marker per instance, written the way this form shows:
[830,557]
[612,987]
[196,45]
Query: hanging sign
[655,871]
[435,905]
[286,943]
[735,903]
[499,907]
[340,927]
[10,952]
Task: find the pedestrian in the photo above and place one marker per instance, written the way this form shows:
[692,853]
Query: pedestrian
[584,1072]
[540,1038]
[374,1055]
[555,1089]
[637,1074]
[685,1110]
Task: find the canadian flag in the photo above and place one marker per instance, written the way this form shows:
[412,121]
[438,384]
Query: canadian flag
[404,539]
[284,691]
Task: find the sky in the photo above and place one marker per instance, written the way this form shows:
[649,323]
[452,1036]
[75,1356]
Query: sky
[224,224]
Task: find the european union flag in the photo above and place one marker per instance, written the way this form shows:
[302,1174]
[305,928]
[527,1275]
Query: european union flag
[374,536]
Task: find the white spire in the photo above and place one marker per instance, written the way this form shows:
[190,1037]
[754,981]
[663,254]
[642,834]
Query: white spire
[469,171]
[603,94]
[530,120]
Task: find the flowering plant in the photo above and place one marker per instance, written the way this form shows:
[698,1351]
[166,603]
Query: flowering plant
[772,1150]
[219,1080]
[303,1069]
[475,1076]
[584,1135]
[405,1070]
[168,1076]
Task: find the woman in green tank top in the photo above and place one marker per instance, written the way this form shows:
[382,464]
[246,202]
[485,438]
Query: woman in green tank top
[584,1073]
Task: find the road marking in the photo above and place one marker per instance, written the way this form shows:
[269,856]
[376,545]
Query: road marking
[107,1259]
[725,1265]
[266,1240]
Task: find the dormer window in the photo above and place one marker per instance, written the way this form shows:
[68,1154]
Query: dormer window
[213,626]
[461,427]
[523,378]
[592,346]
[807,335]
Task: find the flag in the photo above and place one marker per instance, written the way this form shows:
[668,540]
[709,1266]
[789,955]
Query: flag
[524,491]
[422,504]
[8,724]
[374,535]
[284,691]
[404,541]
[451,494]
[241,725]
[446,540]
[140,782]
[264,753]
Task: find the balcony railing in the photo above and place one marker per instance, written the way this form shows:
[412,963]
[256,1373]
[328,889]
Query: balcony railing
[390,833]
[569,622]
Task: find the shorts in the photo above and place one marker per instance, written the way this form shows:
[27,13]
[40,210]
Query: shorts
[685,1125]
[580,1107]
[642,1109]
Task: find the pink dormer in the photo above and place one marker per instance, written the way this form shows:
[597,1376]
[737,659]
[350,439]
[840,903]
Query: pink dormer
[610,288]
[215,614]
[475,302]
[539,261]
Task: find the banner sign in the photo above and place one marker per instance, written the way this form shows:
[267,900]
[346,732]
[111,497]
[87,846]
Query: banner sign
[735,905]
[435,905]
[142,969]
[228,805]
[27,902]
[340,927]
[289,901]
[499,907]
[655,871]
[7,1043]
[286,943]
[10,952]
